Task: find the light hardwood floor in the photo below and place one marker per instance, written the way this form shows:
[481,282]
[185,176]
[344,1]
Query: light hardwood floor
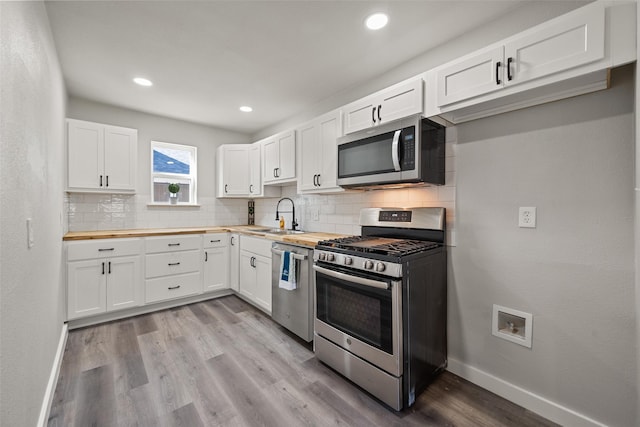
[223,362]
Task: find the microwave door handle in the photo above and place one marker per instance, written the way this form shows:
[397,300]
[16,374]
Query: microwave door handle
[349,278]
[395,150]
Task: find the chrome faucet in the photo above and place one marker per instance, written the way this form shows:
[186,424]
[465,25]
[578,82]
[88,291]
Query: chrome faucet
[294,223]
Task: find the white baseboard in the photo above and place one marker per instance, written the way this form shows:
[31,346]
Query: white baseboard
[53,378]
[531,401]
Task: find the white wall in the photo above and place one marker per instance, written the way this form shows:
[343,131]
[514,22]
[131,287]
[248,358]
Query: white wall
[31,171]
[574,161]
[108,212]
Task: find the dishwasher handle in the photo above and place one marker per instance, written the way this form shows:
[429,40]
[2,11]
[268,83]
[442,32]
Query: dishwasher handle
[295,255]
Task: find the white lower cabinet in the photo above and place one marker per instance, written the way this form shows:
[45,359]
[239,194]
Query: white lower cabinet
[234,262]
[216,262]
[173,267]
[103,276]
[255,271]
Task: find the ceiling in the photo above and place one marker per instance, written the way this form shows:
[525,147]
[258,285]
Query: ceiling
[207,58]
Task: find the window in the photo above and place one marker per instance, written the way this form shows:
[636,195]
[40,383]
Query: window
[173,164]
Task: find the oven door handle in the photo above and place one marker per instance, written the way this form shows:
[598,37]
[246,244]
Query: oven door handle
[395,150]
[355,279]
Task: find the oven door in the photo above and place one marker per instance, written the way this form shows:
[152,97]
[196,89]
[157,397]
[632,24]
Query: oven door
[362,314]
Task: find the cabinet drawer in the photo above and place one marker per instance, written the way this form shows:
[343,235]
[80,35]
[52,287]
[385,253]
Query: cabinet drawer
[102,248]
[217,240]
[172,243]
[172,263]
[165,288]
[256,245]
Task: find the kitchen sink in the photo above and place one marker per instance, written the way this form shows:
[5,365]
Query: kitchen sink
[277,231]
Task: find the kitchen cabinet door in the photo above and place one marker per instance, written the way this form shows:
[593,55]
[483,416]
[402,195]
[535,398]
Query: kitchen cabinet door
[271,151]
[248,277]
[476,75]
[216,265]
[329,128]
[120,158]
[360,114]
[310,157]
[85,157]
[558,45]
[319,154]
[233,162]
[262,294]
[124,283]
[86,288]
[255,176]
[234,262]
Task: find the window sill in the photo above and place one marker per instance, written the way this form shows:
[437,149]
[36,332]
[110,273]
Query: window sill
[169,205]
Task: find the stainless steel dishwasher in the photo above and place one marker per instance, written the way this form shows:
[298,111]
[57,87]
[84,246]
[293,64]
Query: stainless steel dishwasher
[293,309]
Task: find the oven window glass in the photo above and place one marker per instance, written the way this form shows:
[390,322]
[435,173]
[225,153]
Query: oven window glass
[363,312]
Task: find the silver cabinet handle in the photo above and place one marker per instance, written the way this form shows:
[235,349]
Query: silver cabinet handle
[350,278]
[395,154]
[295,255]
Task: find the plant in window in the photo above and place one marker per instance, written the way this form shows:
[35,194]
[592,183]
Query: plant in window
[173,189]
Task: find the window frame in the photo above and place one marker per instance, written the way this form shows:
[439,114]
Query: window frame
[192,177]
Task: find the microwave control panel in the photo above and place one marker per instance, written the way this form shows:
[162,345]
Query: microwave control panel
[408,148]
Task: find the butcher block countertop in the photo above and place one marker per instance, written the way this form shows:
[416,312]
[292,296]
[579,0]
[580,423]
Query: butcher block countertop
[303,239]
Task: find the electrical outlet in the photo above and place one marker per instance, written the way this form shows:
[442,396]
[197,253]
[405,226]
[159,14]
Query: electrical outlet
[527,217]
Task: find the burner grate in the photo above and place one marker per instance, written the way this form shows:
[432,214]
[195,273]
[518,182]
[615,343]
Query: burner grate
[377,245]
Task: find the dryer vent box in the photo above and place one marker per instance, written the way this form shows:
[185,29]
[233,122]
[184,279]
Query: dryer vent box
[512,325]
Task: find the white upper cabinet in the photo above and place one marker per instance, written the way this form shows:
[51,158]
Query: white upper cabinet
[396,102]
[255,180]
[567,56]
[233,170]
[279,158]
[319,154]
[101,158]
[238,172]
[558,45]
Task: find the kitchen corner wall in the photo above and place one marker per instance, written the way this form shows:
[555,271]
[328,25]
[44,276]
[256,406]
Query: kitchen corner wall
[339,213]
[87,211]
[32,295]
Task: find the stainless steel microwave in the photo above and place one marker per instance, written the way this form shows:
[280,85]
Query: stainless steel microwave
[403,152]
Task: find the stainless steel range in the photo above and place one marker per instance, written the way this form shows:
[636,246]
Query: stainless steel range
[381,302]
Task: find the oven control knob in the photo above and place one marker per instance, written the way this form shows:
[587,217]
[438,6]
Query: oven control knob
[368,265]
[322,256]
[348,260]
[380,267]
[330,257]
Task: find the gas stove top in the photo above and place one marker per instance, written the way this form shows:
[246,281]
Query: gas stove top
[378,245]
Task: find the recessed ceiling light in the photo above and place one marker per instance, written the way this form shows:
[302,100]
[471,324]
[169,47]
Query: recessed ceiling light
[246,109]
[142,81]
[376,21]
